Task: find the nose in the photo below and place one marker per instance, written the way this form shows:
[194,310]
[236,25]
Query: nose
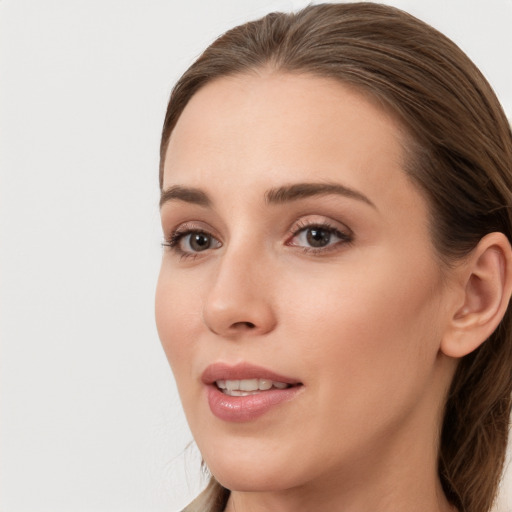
[239,300]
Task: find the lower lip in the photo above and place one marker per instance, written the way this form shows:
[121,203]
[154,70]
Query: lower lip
[247,408]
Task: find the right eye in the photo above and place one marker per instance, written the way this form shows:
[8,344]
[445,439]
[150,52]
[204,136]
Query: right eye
[191,242]
[196,242]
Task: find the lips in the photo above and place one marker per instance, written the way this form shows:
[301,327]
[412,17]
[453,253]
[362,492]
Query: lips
[221,371]
[244,392]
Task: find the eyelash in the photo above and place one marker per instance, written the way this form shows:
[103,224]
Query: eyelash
[173,242]
[345,238]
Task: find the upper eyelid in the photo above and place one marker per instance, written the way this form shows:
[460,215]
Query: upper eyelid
[193,226]
[327,227]
[304,222]
[343,236]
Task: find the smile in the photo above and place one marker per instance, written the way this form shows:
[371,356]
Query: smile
[245,387]
[244,392]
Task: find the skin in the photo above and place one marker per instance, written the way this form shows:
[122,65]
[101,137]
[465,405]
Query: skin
[360,322]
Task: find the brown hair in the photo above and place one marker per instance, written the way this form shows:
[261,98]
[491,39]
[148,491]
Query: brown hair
[460,156]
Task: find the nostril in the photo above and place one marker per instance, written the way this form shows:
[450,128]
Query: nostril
[247,325]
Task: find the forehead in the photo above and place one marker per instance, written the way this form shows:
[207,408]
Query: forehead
[262,129]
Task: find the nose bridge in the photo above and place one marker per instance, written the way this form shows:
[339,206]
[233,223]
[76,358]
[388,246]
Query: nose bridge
[240,294]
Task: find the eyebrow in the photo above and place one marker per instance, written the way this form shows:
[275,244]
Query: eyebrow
[186,194]
[277,195]
[303,190]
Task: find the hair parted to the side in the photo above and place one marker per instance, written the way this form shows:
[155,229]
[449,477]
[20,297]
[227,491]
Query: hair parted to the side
[459,155]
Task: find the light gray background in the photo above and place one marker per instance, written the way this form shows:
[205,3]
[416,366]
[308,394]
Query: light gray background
[90,418]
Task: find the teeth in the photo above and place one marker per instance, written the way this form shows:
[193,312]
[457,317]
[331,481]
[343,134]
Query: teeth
[232,384]
[246,387]
[236,392]
[264,384]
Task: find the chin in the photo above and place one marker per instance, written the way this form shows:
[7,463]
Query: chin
[253,475]
[251,481]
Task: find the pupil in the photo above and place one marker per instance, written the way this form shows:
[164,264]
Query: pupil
[199,241]
[318,237]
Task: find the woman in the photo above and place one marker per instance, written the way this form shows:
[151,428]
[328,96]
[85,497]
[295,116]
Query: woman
[333,295]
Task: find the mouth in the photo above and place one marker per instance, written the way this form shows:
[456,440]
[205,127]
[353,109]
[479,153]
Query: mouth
[244,392]
[246,387]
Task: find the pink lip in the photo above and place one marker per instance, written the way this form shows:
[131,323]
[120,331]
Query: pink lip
[223,371]
[245,408]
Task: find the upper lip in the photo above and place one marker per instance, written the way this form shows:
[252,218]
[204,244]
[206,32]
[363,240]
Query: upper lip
[224,371]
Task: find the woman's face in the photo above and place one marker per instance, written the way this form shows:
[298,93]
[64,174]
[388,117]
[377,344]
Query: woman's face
[299,257]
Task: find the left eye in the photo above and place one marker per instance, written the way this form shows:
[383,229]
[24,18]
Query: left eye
[317,237]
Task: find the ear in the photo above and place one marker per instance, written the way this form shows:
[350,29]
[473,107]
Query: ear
[485,280]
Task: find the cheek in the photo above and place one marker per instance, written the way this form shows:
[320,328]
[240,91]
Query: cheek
[176,313]
[371,330]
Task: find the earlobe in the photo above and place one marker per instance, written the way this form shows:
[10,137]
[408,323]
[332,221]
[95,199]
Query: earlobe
[487,286]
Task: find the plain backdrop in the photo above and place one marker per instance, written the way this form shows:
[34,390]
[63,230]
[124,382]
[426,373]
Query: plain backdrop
[90,417]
